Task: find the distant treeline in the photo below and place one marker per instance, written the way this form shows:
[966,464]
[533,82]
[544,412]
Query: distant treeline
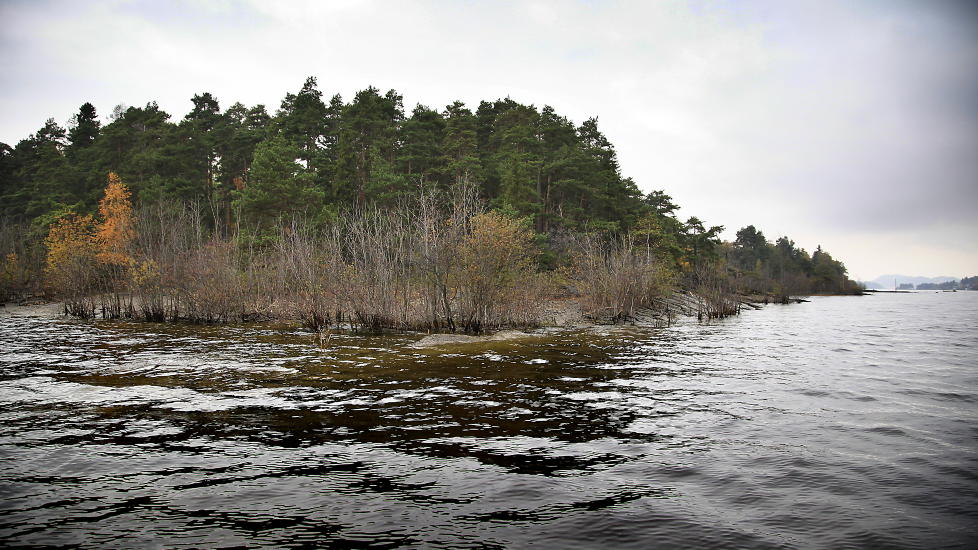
[967,283]
[247,173]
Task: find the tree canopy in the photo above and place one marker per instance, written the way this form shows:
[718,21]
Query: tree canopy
[244,167]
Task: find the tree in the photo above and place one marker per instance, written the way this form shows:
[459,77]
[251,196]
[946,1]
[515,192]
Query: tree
[278,185]
[84,128]
[659,236]
[660,203]
[422,138]
[368,129]
[152,154]
[199,126]
[517,160]
[40,173]
[750,248]
[302,120]
[617,200]
[830,275]
[460,146]
[7,168]
[237,134]
[700,242]
[70,269]
[117,229]
[561,169]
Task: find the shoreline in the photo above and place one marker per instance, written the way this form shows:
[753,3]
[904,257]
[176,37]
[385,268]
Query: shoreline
[560,314]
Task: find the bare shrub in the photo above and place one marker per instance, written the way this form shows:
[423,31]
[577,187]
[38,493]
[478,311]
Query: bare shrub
[307,276]
[618,280]
[166,235]
[378,248]
[716,293]
[209,288]
[496,280]
[440,225]
[440,263]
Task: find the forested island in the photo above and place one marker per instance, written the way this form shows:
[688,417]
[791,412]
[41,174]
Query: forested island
[966,283]
[359,214]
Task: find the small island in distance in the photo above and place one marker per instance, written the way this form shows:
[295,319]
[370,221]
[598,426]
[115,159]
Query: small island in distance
[905,282]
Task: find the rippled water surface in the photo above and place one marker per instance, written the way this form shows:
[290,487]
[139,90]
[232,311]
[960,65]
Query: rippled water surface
[844,422]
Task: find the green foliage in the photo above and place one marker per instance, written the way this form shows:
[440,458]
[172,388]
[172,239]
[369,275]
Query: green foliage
[278,185]
[534,162]
[460,146]
[244,168]
[781,267]
[750,248]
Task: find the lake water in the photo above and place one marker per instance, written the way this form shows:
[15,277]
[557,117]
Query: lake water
[847,422]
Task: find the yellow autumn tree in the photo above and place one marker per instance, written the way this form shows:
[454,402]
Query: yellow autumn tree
[70,245]
[117,230]
[71,269]
[87,259]
[496,277]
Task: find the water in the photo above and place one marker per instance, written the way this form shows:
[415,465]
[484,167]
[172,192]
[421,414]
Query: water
[844,422]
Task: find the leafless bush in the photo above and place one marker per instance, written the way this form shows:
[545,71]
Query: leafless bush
[209,288]
[437,264]
[496,280]
[618,280]
[308,278]
[716,293]
[378,248]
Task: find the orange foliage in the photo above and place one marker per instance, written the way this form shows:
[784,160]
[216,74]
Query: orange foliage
[71,246]
[117,229]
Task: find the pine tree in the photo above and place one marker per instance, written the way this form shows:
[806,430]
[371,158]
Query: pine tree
[278,185]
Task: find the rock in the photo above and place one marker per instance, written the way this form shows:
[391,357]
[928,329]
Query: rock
[433,340]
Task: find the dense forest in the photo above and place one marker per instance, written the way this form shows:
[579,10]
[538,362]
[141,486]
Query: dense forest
[253,180]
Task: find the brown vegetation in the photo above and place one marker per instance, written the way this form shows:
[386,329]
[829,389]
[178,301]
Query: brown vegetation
[620,281]
[441,264]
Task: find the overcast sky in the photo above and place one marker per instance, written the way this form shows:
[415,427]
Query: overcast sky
[853,125]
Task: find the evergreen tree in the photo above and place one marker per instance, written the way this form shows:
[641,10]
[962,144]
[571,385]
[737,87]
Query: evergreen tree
[237,134]
[750,249]
[302,121]
[278,185]
[85,127]
[201,142]
[700,242]
[40,170]
[518,160]
[460,144]
[368,130]
[422,138]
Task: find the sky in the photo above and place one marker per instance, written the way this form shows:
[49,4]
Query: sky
[852,125]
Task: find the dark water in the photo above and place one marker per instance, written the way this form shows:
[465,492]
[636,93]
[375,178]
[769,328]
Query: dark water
[841,423]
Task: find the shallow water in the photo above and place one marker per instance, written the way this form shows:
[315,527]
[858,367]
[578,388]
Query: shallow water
[844,422]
